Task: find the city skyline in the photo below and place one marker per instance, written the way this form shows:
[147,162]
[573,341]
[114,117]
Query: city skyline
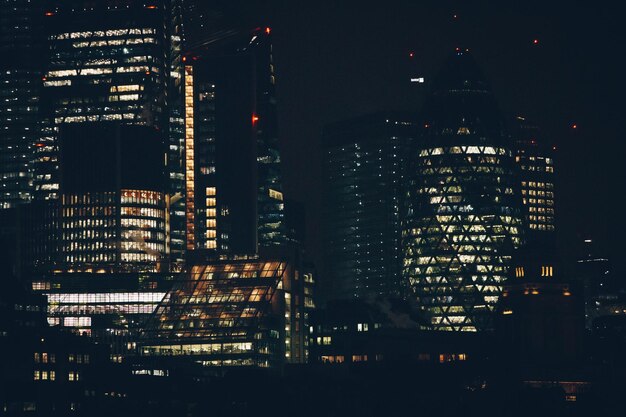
[564,84]
[336,208]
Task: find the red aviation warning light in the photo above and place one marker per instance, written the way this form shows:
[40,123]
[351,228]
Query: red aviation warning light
[255,119]
[535,41]
[268,30]
[411,54]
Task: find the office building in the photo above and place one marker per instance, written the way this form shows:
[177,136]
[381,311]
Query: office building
[113,208]
[463,212]
[230,314]
[21,46]
[106,62]
[364,174]
[534,158]
[233,181]
[110,308]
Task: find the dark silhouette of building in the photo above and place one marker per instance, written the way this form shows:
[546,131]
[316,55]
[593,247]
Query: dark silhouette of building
[364,179]
[463,211]
[540,323]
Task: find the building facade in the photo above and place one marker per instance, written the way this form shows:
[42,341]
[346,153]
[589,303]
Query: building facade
[230,314]
[233,180]
[364,174]
[535,162]
[463,210]
[21,45]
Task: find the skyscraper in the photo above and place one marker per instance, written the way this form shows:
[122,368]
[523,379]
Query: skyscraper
[363,182]
[113,208]
[535,162]
[463,217]
[21,46]
[106,62]
[233,179]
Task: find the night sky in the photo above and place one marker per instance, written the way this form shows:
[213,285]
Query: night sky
[337,60]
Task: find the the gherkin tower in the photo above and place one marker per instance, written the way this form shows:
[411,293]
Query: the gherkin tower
[463,215]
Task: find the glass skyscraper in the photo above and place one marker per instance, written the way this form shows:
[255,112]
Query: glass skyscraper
[364,162]
[233,178]
[463,214]
[21,47]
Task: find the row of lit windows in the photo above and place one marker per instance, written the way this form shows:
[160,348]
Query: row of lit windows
[98,309]
[533,209]
[95,118]
[539,193]
[143,212]
[141,223]
[142,246]
[486,150]
[89,211]
[96,257]
[540,201]
[114,42]
[140,257]
[537,168]
[536,184]
[198,349]
[102,33]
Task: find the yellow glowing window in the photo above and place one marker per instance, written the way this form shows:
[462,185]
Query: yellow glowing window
[277,195]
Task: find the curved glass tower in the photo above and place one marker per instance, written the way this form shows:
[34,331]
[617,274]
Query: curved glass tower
[463,216]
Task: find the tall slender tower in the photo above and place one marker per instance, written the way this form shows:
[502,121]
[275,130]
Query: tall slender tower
[463,216]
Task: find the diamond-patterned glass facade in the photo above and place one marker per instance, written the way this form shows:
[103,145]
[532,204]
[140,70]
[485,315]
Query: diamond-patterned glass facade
[463,217]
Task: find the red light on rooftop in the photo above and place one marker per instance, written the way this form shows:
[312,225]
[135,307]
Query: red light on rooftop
[151,7]
[255,119]
[268,30]
[411,54]
[184,58]
[458,49]
[535,41]
[49,13]
[43,78]
[574,126]
[39,145]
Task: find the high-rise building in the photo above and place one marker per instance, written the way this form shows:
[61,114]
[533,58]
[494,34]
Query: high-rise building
[107,61]
[535,162]
[176,142]
[363,182]
[21,43]
[113,206]
[463,216]
[233,180]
